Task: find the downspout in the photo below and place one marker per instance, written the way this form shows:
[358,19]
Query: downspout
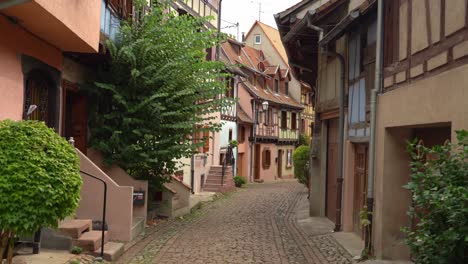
[219,28]
[252,143]
[373,117]
[339,179]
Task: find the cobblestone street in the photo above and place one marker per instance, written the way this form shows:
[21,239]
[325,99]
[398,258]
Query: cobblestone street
[257,224]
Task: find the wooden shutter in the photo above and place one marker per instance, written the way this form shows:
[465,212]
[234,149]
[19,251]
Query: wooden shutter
[206,138]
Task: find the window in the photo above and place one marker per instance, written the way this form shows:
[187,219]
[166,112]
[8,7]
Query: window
[258,39]
[276,86]
[289,158]
[286,88]
[242,134]
[230,134]
[293,121]
[303,126]
[311,128]
[284,119]
[269,117]
[266,158]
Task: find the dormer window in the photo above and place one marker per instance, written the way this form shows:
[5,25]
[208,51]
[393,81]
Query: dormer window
[258,39]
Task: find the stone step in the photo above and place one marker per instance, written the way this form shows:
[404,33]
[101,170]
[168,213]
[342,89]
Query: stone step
[91,241]
[112,251]
[74,228]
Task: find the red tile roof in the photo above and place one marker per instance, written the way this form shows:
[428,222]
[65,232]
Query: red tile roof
[243,116]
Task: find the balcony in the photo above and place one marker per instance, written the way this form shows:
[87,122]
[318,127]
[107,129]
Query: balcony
[288,134]
[267,132]
[71,25]
[230,113]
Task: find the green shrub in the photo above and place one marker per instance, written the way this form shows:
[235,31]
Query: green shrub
[239,181]
[76,250]
[301,164]
[439,186]
[40,178]
[304,140]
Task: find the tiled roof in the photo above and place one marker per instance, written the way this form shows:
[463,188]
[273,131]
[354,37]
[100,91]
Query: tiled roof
[250,58]
[267,94]
[271,70]
[243,116]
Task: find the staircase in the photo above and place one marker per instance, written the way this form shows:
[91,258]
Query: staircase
[213,181]
[83,236]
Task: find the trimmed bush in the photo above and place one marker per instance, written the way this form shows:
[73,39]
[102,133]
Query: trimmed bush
[301,164]
[40,180]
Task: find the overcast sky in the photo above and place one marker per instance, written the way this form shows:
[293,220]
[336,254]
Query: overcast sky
[246,12]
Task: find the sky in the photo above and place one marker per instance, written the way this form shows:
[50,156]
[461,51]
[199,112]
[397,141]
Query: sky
[245,12]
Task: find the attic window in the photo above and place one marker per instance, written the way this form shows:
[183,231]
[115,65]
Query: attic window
[258,39]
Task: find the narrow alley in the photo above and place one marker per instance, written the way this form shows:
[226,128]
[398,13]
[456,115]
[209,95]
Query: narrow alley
[257,224]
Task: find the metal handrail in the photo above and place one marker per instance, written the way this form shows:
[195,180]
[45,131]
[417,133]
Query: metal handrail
[103,210]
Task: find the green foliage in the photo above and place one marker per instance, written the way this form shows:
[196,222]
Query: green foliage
[76,250]
[304,140]
[439,187]
[233,143]
[239,181]
[301,164]
[40,181]
[157,89]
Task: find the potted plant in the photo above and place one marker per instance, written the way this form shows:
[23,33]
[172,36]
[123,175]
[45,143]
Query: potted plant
[239,181]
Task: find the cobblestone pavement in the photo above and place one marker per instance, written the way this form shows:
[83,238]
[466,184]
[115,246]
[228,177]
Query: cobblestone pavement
[256,224]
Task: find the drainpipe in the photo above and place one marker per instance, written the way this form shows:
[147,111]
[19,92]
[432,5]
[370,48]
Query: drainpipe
[373,117]
[219,28]
[339,179]
[252,143]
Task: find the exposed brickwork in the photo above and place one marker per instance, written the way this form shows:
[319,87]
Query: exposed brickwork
[255,225]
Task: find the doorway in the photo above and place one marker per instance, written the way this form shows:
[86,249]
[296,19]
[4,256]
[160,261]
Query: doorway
[332,168]
[75,116]
[360,185]
[257,162]
[280,164]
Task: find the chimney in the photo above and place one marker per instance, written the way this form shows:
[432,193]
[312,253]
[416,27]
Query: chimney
[243,37]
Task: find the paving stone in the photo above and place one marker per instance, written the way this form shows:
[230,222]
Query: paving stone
[257,224]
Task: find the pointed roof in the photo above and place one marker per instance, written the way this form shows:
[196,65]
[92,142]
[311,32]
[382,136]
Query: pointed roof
[273,35]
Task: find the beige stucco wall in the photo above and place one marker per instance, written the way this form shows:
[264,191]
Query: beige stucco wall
[119,201]
[15,41]
[329,75]
[440,99]
[122,178]
[287,172]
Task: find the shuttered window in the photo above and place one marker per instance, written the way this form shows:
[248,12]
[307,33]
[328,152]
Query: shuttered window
[266,158]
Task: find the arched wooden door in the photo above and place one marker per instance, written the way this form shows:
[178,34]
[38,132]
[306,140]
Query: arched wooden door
[40,90]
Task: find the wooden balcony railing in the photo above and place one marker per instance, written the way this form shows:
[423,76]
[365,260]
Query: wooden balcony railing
[229,114]
[289,134]
[262,130]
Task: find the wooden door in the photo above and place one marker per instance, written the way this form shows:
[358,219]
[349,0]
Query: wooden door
[76,122]
[240,167]
[360,185]
[280,163]
[257,162]
[332,169]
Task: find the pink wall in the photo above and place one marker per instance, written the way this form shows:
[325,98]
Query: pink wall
[268,174]
[15,41]
[244,100]
[72,25]
[119,201]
